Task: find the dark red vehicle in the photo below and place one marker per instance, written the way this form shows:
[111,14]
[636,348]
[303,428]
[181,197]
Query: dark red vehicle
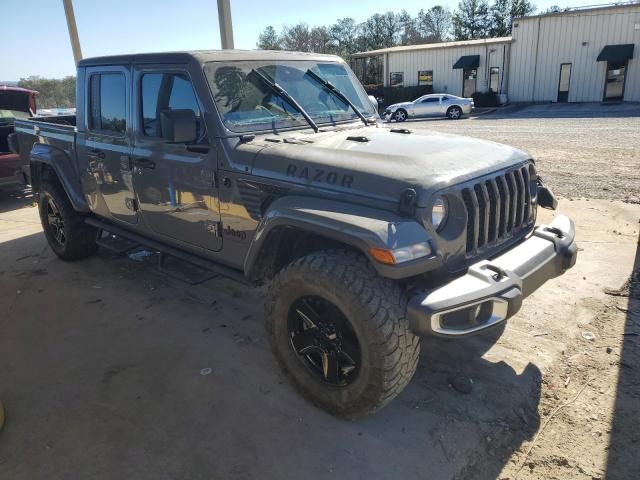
[15,103]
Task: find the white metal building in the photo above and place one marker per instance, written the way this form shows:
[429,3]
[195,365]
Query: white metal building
[577,56]
[459,68]
[580,55]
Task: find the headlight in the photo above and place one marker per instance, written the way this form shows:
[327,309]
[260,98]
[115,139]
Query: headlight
[439,213]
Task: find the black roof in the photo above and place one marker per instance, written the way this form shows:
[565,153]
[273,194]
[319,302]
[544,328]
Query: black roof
[203,56]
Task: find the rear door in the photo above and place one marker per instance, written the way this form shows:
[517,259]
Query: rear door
[106,141]
[174,182]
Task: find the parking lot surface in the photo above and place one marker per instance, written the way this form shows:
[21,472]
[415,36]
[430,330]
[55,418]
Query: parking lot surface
[110,370]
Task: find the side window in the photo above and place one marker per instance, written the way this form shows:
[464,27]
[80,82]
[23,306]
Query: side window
[166,91]
[431,100]
[107,103]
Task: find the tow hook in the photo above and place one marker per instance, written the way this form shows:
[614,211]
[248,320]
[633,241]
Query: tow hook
[556,231]
[498,275]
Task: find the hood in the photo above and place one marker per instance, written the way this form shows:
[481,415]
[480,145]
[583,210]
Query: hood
[385,165]
[399,105]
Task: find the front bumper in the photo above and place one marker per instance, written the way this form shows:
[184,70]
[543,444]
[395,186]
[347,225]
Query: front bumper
[492,290]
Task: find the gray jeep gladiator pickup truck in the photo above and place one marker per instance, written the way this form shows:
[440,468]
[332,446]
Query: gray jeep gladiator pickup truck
[274,167]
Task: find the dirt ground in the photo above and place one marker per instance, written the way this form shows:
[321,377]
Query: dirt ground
[110,370]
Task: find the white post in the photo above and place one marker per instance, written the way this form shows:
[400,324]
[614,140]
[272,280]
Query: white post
[226,28]
[73,30]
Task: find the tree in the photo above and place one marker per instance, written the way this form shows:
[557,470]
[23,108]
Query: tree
[521,8]
[52,92]
[380,31]
[269,40]
[471,20]
[553,9]
[409,34]
[434,24]
[344,37]
[500,18]
[296,38]
[320,40]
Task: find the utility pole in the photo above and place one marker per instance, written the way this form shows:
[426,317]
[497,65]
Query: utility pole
[73,30]
[224,19]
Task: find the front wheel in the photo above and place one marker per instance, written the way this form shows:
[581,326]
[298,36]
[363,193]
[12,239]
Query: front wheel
[339,330]
[454,113]
[68,235]
[400,115]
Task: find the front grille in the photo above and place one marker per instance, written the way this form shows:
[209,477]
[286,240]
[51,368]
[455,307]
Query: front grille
[497,209]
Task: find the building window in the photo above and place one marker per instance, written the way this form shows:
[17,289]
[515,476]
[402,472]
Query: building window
[165,91]
[425,77]
[396,79]
[107,103]
[494,79]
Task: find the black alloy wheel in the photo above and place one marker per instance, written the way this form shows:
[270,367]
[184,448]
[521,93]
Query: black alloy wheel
[324,341]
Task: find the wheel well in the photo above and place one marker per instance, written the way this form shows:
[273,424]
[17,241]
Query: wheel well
[41,172]
[453,106]
[286,244]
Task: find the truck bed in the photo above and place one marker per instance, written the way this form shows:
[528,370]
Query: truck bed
[54,131]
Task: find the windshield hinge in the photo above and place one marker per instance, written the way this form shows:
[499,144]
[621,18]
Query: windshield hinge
[407,202]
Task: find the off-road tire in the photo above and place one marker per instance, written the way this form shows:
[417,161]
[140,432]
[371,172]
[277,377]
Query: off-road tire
[376,309]
[454,113]
[80,238]
[400,115]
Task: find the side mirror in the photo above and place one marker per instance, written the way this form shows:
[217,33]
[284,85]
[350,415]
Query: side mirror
[374,102]
[178,126]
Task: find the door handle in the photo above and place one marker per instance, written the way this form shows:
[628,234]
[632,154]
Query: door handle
[144,163]
[96,153]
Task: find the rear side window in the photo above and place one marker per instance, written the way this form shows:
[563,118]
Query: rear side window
[107,103]
[166,91]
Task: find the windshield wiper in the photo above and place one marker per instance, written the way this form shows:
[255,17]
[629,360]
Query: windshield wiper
[284,94]
[331,87]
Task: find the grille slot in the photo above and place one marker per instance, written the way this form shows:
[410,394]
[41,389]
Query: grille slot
[497,209]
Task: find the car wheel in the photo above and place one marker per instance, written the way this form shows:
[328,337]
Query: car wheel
[340,331]
[400,115]
[68,235]
[454,113]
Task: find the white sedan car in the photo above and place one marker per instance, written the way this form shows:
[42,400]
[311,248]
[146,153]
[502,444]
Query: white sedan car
[435,104]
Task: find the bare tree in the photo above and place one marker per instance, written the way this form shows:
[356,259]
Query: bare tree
[296,38]
[344,37]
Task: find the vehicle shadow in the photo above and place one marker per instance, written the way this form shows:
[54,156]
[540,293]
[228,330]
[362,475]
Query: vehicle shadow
[623,461]
[14,197]
[99,350]
[555,110]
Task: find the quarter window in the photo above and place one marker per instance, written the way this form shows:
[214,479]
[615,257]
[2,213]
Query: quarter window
[107,103]
[162,92]
[425,77]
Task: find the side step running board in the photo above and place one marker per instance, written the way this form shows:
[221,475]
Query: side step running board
[122,241]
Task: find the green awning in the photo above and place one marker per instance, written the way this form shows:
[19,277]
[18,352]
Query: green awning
[616,53]
[468,61]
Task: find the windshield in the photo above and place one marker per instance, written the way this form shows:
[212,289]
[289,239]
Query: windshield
[247,104]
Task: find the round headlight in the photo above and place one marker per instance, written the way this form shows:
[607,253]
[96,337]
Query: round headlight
[439,213]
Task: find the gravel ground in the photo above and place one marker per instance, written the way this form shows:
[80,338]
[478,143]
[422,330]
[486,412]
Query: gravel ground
[578,156]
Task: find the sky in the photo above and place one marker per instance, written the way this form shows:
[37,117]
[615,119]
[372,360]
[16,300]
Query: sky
[36,40]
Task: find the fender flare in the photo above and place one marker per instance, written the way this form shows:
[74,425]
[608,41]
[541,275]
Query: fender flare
[60,162]
[354,225]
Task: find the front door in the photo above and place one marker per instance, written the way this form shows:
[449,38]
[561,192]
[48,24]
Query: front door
[174,182]
[106,143]
[564,82]
[614,85]
[469,78]
[427,106]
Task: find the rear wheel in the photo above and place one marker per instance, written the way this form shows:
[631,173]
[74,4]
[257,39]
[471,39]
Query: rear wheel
[339,330]
[400,115]
[68,235]
[454,113]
